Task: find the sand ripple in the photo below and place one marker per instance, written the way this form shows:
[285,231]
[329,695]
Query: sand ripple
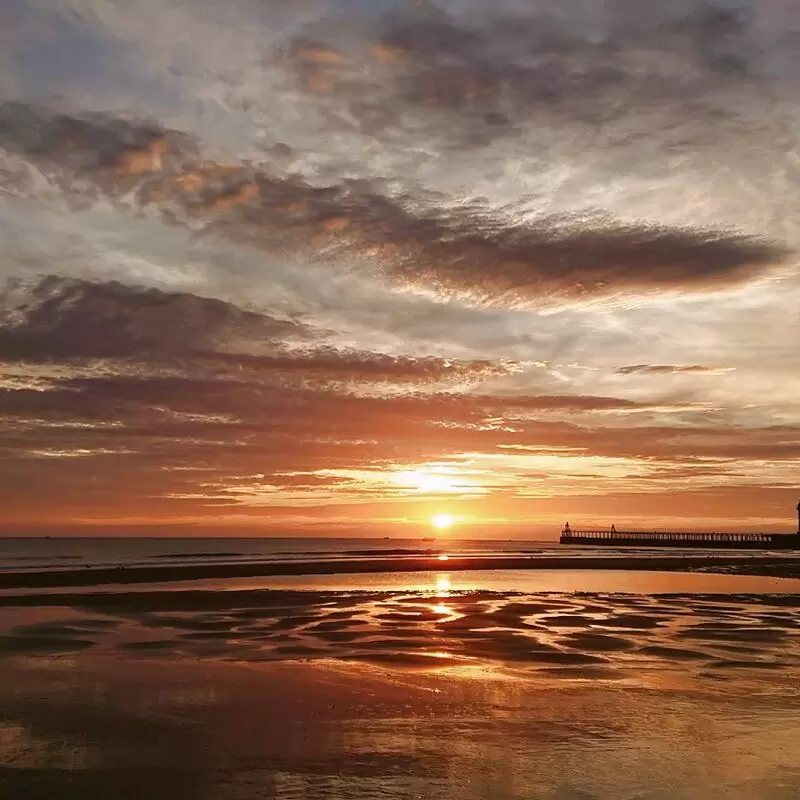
[588,637]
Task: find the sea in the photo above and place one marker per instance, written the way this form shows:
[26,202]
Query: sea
[44,553]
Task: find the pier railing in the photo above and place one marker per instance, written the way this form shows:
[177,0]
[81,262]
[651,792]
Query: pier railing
[680,538]
[671,536]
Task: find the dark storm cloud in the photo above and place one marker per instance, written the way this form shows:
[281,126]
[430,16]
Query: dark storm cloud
[417,240]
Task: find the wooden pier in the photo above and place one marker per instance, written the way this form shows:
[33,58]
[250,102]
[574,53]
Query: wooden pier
[734,541]
[731,541]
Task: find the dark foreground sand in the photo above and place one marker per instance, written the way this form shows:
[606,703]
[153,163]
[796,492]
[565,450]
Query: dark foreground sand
[238,695]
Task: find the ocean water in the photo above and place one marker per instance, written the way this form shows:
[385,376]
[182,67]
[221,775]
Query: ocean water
[38,553]
[51,552]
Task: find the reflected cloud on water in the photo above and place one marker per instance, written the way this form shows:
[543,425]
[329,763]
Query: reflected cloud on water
[350,731]
[437,693]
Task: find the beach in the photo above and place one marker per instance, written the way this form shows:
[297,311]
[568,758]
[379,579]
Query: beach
[569,680]
[294,730]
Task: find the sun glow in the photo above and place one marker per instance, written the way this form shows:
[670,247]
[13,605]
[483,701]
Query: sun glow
[442,521]
[436,480]
[443,586]
[426,482]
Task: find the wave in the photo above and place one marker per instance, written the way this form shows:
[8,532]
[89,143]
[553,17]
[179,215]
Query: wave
[39,558]
[397,551]
[220,554]
[393,552]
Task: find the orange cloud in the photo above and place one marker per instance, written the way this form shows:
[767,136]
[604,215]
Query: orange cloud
[320,55]
[141,161]
[387,53]
[189,181]
[319,82]
[336,224]
[244,194]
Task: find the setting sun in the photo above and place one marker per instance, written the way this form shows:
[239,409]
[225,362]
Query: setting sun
[442,521]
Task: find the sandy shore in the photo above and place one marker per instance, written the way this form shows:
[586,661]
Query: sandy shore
[367,695]
[767,565]
[88,727]
[602,636]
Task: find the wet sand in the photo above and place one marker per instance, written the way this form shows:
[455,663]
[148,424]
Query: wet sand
[85,726]
[233,693]
[593,635]
[501,580]
[496,580]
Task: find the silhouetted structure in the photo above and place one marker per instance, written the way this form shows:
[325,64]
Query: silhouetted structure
[737,541]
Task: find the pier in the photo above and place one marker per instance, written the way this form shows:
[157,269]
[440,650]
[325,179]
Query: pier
[737,541]
[734,541]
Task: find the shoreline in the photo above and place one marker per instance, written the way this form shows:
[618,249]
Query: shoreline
[766,566]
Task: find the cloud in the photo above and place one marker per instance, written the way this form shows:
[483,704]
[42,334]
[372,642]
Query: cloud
[162,443]
[56,319]
[267,255]
[59,318]
[544,403]
[671,369]
[528,106]
[419,242]
[604,258]
[497,68]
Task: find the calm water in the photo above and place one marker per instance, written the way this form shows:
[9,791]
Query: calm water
[503,580]
[96,730]
[44,553]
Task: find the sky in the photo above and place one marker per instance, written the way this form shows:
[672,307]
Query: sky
[327,267]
